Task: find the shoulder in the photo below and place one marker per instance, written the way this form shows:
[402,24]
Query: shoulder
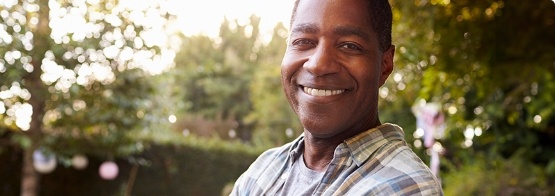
[397,170]
[262,171]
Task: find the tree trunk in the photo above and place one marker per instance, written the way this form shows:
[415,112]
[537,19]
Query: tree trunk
[38,90]
[29,177]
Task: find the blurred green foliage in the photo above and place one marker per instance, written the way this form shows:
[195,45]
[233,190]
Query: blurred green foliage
[488,175]
[490,64]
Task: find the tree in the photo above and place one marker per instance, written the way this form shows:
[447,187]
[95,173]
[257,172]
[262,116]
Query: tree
[234,82]
[213,76]
[490,64]
[83,87]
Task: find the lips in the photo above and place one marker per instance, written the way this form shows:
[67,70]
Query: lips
[321,92]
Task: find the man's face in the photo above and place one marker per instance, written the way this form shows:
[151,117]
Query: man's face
[333,67]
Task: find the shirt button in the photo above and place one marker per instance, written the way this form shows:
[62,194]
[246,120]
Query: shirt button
[284,176]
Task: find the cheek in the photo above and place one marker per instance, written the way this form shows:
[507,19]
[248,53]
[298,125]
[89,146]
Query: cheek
[288,85]
[285,69]
[290,66]
[286,79]
[366,74]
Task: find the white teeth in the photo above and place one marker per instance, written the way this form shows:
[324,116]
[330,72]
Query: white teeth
[321,92]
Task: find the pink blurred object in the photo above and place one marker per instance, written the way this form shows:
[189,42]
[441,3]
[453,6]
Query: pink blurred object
[430,118]
[108,170]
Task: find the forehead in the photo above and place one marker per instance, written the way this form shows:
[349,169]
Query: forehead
[339,12]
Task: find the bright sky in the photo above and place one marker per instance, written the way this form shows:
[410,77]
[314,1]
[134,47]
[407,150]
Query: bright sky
[207,15]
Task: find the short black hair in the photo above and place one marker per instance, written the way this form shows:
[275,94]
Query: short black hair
[380,17]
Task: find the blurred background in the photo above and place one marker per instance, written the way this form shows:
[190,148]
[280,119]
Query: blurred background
[169,97]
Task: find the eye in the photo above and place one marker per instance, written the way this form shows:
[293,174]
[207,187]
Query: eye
[351,46]
[303,43]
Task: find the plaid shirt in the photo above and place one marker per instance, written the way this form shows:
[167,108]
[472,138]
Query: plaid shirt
[374,162]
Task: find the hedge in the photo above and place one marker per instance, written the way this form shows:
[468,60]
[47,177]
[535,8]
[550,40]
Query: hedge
[197,167]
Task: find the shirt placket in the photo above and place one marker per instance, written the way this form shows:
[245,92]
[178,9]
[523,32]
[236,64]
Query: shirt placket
[285,172]
[336,167]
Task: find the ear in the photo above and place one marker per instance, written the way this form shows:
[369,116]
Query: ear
[387,64]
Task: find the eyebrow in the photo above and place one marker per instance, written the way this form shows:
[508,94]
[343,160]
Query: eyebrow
[341,30]
[305,28]
[351,30]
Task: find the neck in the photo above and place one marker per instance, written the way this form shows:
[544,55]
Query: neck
[318,151]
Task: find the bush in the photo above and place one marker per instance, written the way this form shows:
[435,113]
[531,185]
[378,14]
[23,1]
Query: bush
[195,167]
[498,176]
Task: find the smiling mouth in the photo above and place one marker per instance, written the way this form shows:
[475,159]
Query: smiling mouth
[321,92]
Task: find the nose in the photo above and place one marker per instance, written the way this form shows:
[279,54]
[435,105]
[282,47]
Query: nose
[322,61]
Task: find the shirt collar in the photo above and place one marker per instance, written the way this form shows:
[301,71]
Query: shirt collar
[363,145]
[360,147]
[296,149]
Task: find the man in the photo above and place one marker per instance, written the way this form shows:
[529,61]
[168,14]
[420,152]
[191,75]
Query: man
[339,53]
